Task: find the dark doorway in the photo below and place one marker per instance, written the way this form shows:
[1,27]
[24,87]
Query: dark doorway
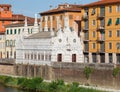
[59,57]
[73,57]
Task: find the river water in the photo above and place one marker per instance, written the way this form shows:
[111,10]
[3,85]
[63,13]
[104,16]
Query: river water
[9,89]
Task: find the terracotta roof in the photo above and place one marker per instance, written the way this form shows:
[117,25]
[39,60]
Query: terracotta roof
[8,5]
[69,8]
[30,21]
[102,2]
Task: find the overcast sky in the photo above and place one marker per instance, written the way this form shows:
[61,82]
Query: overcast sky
[30,7]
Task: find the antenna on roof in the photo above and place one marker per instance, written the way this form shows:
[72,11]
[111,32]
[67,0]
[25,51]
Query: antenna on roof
[50,6]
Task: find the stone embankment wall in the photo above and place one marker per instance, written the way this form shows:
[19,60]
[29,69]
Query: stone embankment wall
[101,75]
[7,69]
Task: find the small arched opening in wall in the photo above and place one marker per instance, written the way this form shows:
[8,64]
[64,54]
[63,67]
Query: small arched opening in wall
[59,57]
[73,57]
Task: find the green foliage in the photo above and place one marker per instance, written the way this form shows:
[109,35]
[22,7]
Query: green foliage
[116,71]
[56,86]
[87,72]
[38,85]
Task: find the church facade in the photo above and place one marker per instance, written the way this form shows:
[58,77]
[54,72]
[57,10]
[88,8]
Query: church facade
[44,47]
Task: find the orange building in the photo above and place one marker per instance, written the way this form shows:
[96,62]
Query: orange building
[101,29]
[57,14]
[6,17]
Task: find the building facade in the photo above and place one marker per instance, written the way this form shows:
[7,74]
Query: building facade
[46,46]
[73,11]
[13,31]
[101,29]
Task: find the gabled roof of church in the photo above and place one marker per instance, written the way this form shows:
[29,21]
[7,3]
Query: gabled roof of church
[40,35]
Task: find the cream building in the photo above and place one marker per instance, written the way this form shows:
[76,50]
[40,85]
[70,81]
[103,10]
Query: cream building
[12,33]
[46,46]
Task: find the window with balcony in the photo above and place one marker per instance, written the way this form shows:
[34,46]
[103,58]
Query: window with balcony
[110,33]
[110,45]
[109,22]
[93,11]
[93,22]
[102,11]
[118,33]
[118,45]
[117,21]
[110,9]
[118,8]
[86,47]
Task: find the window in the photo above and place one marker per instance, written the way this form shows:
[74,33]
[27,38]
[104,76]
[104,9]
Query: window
[118,33]
[93,11]
[117,21]
[31,56]
[48,18]
[7,43]
[11,31]
[110,33]
[49,57]
[109,21]
[15,31]
[38,56]
[93,22]
[93,45]
[93,34]
[110,57]
[35,56]
[118,8]
[7,31]
[11,43]
[71,28]
[110,45]
[53,17]
[110,9]
[18,31]
[118,46]
[46,57]
[42,57]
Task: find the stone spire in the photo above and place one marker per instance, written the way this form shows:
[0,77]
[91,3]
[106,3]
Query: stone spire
[25,31]
[41,24]
[46,23]
[36,28]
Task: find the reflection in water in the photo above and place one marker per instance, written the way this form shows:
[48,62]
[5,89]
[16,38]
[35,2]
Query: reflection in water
[9,89]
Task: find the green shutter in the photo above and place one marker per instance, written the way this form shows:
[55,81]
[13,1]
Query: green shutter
[117,21]
[109,21]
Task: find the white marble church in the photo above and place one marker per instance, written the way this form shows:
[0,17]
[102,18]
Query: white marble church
[44,47]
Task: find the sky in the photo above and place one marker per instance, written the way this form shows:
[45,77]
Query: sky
[30,7]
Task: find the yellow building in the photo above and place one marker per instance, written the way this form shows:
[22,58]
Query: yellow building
[101,29]
[56,14]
